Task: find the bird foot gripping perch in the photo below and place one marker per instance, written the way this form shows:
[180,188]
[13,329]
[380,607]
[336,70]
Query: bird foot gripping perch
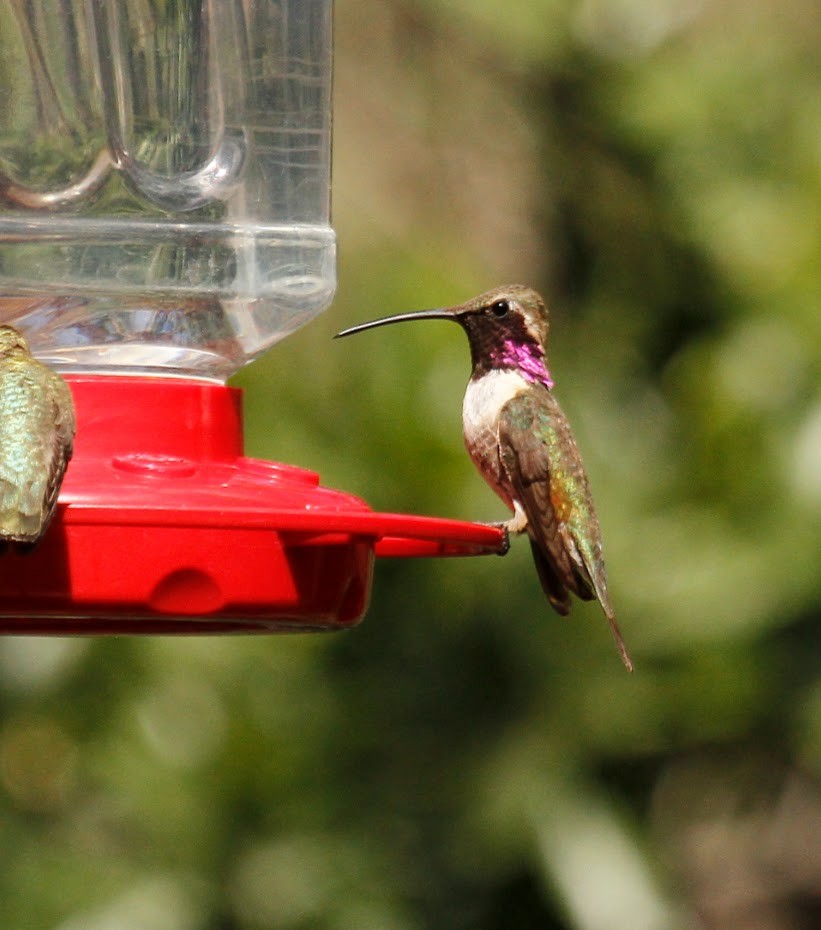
[520,440]
[516,525]
[503,526]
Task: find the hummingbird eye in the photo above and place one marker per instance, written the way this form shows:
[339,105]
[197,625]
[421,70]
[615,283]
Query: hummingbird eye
[500,308]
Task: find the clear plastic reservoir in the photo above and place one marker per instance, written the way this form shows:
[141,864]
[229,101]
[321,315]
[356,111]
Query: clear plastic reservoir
[164,180]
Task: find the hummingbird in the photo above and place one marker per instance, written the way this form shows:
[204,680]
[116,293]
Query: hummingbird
[520,440]
[36,441]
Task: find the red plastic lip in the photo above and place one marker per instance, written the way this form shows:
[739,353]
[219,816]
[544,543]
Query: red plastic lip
[164,525]
[395,535]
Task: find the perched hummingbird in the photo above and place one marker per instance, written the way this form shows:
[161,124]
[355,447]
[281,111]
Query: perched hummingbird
[522,444]
[36,441]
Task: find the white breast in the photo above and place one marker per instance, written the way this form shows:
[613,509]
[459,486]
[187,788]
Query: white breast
[484,398]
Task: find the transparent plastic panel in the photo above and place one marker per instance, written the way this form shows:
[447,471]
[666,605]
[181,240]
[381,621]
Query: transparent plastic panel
[164,179]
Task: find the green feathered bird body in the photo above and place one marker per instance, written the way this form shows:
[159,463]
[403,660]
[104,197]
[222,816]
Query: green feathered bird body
[36,440]
[519,439]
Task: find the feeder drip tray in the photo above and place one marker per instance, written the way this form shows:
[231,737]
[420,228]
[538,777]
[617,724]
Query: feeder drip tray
[164,526]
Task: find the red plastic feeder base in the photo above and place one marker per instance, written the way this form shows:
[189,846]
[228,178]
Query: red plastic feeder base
[164,526]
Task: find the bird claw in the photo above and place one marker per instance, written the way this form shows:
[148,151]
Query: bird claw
[505,547]
[503,526]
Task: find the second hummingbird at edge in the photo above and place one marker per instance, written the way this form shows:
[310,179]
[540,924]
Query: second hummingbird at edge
[520,440]
[37,425]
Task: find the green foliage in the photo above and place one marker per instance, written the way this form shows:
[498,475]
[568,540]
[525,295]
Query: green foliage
[465,758]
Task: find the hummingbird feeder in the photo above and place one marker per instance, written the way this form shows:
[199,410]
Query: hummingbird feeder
[164,219]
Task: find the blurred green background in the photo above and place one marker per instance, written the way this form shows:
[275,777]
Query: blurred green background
[465,758]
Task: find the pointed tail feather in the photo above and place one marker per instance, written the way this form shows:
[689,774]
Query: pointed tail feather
[597,583]
[620,644]
[587,589]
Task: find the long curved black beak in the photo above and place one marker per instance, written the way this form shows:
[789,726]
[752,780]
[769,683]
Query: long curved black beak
[442,313]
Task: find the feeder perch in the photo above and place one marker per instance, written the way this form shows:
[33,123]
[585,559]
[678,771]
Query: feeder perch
[164,219]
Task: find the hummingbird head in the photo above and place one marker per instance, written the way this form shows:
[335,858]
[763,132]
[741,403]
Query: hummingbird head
[11,341]
[507,329]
